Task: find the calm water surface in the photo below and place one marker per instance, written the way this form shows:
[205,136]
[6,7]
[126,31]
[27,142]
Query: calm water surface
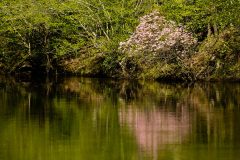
[88,119]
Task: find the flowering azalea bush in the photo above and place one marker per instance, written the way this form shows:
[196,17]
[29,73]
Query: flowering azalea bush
[157,49]
[156,35]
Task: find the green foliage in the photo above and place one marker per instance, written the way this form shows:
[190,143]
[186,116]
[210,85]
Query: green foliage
[41,32]
[41,35]
[111,65]
[218,56]
[198,15]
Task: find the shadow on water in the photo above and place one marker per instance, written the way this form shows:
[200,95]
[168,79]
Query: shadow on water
[81,118]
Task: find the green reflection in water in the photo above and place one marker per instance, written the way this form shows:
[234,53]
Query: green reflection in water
[79,118]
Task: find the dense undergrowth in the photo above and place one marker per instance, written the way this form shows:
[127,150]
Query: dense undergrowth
[218,57]
[185,40]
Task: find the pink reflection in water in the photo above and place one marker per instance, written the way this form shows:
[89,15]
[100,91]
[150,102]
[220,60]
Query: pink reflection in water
[156,128]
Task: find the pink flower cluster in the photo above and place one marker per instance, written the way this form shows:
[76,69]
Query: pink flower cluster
[156,35]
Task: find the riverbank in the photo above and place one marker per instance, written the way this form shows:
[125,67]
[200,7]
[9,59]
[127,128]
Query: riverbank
[217,58]
[178,41]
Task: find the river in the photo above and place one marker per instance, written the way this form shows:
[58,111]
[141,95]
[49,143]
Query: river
[104,119]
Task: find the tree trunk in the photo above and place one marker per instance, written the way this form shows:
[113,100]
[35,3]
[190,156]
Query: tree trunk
[215,29]
[209,30]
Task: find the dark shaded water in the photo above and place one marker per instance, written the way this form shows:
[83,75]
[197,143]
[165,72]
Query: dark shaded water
[87,119]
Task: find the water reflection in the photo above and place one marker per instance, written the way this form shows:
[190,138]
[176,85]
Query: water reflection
[156,128]
[79,118]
